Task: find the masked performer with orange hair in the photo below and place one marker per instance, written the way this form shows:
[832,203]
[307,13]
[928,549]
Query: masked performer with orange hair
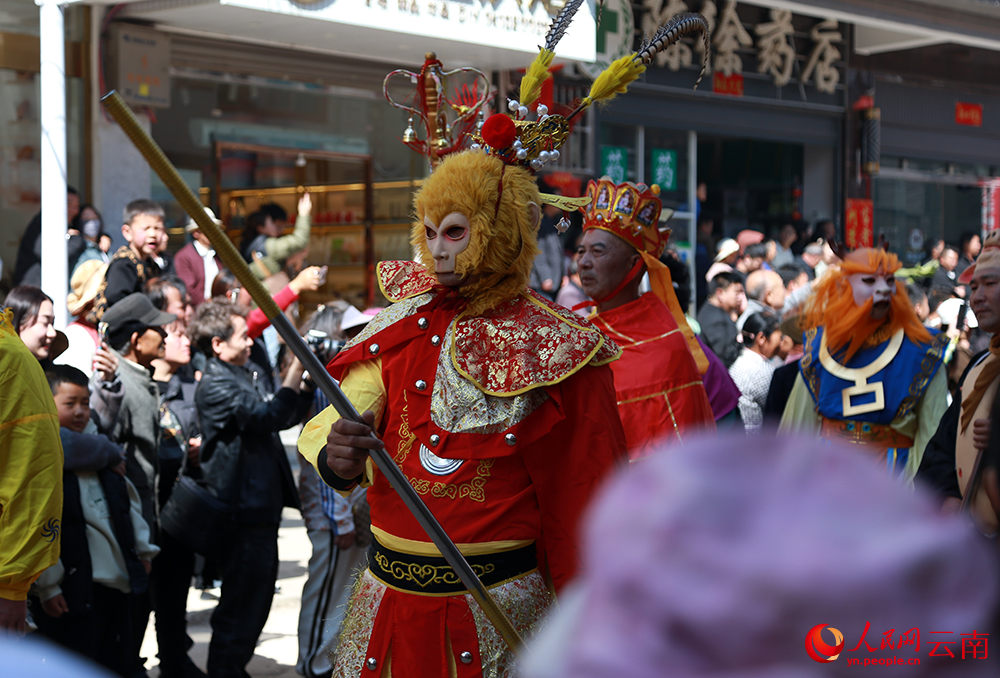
[658,379]
[871,372]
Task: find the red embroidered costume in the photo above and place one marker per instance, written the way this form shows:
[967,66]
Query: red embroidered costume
[657,380]
[498,406]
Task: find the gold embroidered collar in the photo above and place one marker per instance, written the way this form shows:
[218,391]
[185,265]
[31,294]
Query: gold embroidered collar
[860,375]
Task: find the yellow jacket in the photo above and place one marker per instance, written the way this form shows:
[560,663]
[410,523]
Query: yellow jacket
[31,467]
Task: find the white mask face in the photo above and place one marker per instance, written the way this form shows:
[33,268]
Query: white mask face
[91,229]
[445,242]
[878,286]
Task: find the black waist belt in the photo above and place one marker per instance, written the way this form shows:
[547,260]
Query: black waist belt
[433,576]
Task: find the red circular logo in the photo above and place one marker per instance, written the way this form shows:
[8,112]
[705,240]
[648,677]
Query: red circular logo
[818,648]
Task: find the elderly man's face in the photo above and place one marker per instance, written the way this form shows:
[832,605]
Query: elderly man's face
[604,260]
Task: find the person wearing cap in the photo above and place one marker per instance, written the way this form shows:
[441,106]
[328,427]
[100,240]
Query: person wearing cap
[658,379]
[965,429]
[725,259]
[135,334]
[870,371]
[196,263]
[83,337]
[353,321]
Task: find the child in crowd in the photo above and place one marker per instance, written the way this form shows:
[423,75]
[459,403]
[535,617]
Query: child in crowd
[132,265]
[86,598]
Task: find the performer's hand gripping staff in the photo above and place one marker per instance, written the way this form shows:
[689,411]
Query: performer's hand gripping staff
[116,106]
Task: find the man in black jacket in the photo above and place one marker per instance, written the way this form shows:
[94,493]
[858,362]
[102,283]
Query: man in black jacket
[718,329]
[245,465]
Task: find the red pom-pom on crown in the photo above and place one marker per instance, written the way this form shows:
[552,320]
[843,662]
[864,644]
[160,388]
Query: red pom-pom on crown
[498,131]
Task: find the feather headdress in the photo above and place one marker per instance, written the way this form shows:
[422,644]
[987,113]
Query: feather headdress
[531,144]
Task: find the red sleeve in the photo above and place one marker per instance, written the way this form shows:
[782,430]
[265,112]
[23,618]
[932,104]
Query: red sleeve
[591,440]
[257,322]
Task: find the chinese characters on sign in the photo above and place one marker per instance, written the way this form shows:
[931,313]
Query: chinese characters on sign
[659,12]
[665,169]
[776,56]
[858,223]
[824,54]
[467,14]
[775,46]
[728,84]
[969,114]
[614,163]
[730,36]
[948,644]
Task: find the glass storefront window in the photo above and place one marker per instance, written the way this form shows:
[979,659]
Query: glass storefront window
[911,212]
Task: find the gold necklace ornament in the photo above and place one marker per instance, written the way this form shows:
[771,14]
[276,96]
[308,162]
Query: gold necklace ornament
[860,376]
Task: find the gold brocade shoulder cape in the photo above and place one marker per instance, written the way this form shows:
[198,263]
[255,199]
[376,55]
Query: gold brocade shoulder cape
[522,344]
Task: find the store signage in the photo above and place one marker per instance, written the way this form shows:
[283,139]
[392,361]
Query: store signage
[728,84]
[859,227]
[518,25]
[613,37]
[774,46]
[970,115]
[139,65]
[614,163]
[665,169]
[990,204]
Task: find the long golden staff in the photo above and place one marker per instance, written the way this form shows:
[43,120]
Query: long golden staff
[116,106]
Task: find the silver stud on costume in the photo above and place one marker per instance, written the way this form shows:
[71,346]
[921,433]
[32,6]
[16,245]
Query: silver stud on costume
[511,439]
[423,323]
[373,349]
[421,384]
[371,663]
[435,439]
[436,465]
[436,339]
[466,657]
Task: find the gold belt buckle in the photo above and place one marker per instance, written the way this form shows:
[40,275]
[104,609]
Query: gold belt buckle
[863,388]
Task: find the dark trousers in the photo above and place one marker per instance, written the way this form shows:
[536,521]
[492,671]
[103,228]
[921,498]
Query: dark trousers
[249,571]
[103,633]
[168,586]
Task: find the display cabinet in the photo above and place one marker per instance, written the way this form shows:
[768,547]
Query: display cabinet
[357,222]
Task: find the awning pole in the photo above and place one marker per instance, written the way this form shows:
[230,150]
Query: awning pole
[52,45]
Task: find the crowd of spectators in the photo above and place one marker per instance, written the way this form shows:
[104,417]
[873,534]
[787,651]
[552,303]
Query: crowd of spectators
[165,377]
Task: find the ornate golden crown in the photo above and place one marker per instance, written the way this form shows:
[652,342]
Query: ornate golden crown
[630,211]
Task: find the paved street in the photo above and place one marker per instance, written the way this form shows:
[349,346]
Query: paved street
[277,648]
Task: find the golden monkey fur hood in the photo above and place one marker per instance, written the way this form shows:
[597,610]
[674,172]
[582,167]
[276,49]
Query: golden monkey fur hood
[503,242]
